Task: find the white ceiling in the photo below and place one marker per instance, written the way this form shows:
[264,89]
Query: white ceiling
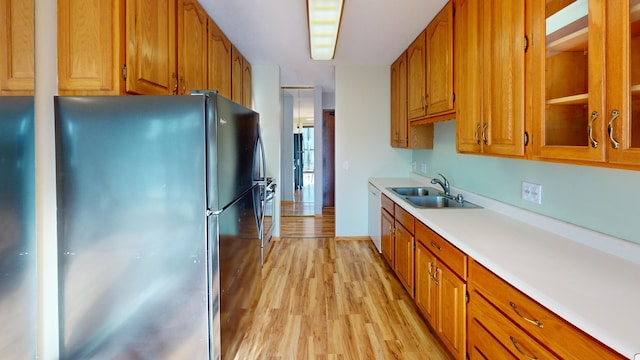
[274,32]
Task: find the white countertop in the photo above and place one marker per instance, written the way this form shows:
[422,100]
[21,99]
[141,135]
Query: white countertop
[590,279]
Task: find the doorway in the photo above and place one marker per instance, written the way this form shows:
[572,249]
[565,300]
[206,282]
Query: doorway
[298,150]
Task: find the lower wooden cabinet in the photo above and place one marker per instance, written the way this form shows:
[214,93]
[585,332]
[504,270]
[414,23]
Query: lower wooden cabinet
[404,248]
[521,325]
[440,293]
[492,320]
[387,238]
[425,296]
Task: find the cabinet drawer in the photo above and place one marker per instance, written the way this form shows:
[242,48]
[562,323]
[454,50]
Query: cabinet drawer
[548,328]
[404,218]
[387,204]
[455,259]
[513,339]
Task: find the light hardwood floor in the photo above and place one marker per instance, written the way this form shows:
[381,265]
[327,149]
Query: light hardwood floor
[328,299]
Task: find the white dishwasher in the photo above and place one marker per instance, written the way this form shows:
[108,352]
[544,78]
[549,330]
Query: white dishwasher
[375,203]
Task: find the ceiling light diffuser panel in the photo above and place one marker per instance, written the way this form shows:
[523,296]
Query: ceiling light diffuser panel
[324,24]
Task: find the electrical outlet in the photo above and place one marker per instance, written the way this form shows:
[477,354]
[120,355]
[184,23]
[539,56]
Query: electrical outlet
[532,192]
[423,168]
[414,166]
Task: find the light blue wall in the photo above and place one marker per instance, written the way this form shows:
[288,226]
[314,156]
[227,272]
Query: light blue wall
[601,199]
[362,143]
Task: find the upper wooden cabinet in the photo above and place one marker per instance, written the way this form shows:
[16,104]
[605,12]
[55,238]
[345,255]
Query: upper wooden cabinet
[151,47]
[586,97]
[429,70]
[623,82]
[108,47]
[247,83]
[439,95]
[193,45]
[219,61]
[490,73]
[416,78]
[236,75]
[403,134]
[398,105]
[16,47]
[99,47]
[91,47]
[240,86]
[568,73]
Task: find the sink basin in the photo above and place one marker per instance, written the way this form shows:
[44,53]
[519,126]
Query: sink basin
[436,202]
[414,191]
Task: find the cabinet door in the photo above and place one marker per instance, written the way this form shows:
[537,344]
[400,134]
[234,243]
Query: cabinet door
[404,257]
[236,75]
[90,54]
[468,73]
[416,78]
[568,74]
[503,47]
[399,138]
[247,85]
[439,61]
[192,40]
[151,47]
[387,238]
[425,297]
[219,61]
[623,81]
[16,47]
[451,324]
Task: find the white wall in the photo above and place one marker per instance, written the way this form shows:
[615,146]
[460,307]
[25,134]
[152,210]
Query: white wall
[46,224]
[267,102]
[362,142]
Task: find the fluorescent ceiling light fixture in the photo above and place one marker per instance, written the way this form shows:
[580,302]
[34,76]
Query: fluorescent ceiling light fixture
[324,24]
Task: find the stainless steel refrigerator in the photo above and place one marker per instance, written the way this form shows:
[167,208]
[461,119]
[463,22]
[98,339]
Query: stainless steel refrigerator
[159,217]
[18,283]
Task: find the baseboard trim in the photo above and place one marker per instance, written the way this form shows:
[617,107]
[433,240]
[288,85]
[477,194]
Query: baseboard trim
[352,238]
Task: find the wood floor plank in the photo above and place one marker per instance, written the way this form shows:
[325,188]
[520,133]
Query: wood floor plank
[328,299]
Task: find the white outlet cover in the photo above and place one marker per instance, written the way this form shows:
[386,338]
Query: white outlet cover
[532,192]
[423,168]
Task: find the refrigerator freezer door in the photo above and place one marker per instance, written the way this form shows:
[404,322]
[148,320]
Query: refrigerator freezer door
[239,269]
[233,166]
[18,302]
[132,243]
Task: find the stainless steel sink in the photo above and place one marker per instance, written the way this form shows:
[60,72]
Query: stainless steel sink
[436,202]
[414,191]
[430,198]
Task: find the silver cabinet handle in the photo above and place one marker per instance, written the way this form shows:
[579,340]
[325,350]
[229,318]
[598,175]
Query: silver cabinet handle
[515,344]
[534,322]
[475,135]
[594,116]
[484,135]
[614,115]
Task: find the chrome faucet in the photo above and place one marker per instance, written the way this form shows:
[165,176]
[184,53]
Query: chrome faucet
[445,184]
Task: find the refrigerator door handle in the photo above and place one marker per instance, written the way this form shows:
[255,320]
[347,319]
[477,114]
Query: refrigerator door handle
[210,212]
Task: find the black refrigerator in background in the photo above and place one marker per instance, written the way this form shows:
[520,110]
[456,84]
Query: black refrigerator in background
[159,216]
[298,161]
